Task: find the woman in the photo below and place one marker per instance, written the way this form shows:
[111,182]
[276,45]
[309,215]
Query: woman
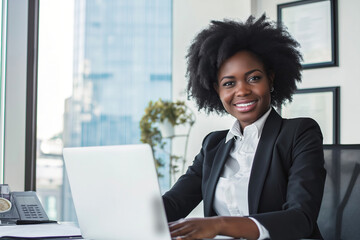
[264,177]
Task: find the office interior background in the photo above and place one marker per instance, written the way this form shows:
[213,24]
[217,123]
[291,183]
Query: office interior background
[100,62]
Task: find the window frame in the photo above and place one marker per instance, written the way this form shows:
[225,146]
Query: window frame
[31,95]
[20,94]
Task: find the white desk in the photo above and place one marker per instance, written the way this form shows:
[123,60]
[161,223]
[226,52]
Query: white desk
[40,230]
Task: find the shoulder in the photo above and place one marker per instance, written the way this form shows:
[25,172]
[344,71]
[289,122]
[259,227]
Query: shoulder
[214,138]
[274,118]
[277,125]
[301,124]
[301,131]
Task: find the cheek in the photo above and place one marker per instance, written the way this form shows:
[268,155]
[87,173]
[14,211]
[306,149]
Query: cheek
[268,98]
[265,92]
[224,97]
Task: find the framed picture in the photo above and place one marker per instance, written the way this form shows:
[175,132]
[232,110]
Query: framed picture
[321,104]
[313,23]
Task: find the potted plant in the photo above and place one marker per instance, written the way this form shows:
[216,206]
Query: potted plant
[158,123]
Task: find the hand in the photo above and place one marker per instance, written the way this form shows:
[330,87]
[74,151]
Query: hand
[195,228]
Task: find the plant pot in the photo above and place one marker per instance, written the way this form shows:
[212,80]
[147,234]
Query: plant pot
[166,129]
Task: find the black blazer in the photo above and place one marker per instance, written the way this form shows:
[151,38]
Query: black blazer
[286,182]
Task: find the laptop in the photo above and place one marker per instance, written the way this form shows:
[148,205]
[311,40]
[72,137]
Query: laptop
[116,192]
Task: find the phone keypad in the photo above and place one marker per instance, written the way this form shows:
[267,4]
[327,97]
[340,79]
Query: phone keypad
[32,211]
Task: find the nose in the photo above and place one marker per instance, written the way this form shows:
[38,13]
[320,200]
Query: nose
[242,89]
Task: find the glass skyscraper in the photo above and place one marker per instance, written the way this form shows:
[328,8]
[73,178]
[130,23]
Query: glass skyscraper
[122,60]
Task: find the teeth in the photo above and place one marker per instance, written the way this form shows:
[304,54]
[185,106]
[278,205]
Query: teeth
[244,104]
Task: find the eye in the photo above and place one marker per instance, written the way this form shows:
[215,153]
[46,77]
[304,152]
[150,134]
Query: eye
[228,84]
[254,78]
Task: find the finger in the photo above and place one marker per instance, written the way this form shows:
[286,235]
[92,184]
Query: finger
[177,238]
[181,231]
[177,224]
[184,220]
[190,236]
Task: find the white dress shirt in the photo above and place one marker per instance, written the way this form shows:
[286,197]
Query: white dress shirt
[231,194]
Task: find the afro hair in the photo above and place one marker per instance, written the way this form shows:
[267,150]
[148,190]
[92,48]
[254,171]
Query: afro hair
[269,41]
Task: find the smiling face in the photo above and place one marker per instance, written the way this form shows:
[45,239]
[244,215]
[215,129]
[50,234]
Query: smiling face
[244,87]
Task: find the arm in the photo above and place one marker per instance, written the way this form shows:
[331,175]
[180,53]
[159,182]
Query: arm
[186,194]
[197,228]
[189,189]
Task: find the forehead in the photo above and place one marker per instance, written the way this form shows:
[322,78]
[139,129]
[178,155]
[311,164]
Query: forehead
[242,61]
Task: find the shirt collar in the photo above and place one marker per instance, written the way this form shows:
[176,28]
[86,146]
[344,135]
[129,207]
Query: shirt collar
[259,124]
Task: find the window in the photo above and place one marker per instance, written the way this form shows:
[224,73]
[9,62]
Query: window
[98,68]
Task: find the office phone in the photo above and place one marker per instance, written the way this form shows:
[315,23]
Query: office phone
[25,208]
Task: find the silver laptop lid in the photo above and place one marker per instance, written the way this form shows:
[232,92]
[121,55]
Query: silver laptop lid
[116,193]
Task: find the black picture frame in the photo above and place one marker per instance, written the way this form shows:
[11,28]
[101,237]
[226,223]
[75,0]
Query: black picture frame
[313,23]
[321,104]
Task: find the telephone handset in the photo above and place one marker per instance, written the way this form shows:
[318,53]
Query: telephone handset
[25,209]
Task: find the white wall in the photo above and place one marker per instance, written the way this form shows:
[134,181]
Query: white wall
[190,17]
[345,75]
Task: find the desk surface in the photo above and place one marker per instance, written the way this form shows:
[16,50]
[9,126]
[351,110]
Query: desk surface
[45,230]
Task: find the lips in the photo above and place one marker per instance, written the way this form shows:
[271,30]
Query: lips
[245,106]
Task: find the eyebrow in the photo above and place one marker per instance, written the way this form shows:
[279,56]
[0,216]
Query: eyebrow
[246,74]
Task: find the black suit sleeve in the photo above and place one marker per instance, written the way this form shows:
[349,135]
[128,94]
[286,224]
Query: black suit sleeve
[306,178]
[186,194]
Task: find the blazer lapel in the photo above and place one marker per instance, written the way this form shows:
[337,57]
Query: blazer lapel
[218,164]
[262,159]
